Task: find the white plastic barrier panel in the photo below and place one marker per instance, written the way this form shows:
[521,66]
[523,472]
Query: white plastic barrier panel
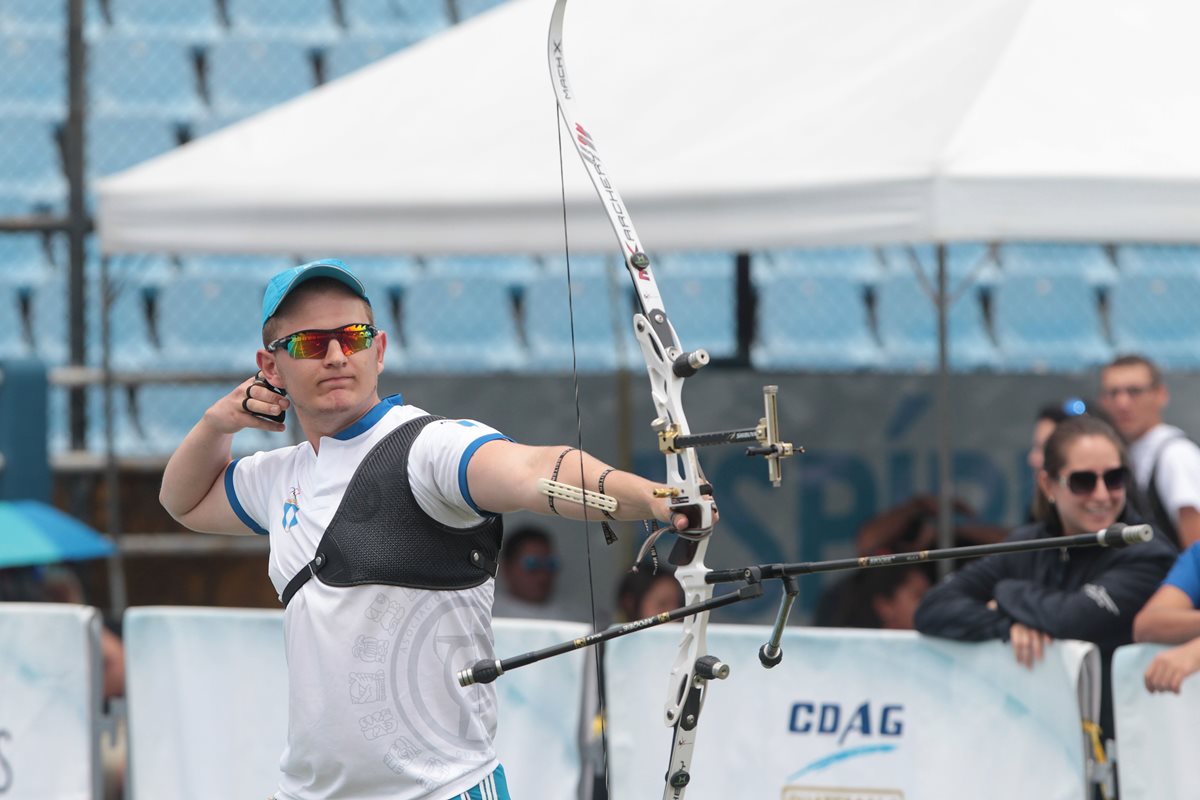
[207,700]
[206,692]
[49,701]
[859,715]
[537,738]
[1156,733]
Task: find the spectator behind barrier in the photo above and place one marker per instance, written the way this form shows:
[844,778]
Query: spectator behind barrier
[1092,594]
[875,598]
[1165,461]
[645,593]
[1173,617]
[1044,424]
[528,568]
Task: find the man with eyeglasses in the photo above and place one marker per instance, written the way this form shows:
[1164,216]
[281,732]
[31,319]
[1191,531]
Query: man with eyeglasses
[1166,463]
[385,530]
[528,569]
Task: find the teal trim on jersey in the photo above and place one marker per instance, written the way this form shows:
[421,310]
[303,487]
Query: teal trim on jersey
[462,469]
[493,787]
[368,420]
[235,504]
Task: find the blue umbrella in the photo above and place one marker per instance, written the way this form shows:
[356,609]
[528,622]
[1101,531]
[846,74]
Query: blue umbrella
[32,532]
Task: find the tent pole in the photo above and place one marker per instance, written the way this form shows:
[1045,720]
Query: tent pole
[945,517]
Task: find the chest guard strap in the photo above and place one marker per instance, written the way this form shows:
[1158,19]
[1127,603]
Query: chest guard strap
[379,534]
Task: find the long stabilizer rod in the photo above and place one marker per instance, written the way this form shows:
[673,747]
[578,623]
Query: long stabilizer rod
[486,671]
[1118,535]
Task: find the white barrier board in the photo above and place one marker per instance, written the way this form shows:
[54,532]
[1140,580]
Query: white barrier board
[860,715]
[1156,733]
[207,700]
[206,693]
[49,701]
[537,738]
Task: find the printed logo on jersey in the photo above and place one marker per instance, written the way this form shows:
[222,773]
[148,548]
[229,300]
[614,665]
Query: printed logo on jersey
[291,508]
[404,705]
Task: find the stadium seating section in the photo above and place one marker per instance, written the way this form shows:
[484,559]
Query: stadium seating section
[164,72]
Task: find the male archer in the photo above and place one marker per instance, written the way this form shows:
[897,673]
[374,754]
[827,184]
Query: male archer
[385,528]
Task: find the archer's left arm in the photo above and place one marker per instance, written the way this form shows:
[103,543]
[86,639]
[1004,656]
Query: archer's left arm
[503,477]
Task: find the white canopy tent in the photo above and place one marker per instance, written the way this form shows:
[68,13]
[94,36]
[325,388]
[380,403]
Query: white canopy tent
[735,126]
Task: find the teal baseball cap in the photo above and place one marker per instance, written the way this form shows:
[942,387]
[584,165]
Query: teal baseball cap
[282,284]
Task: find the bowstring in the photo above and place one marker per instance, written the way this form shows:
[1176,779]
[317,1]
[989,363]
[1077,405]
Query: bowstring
[602,710]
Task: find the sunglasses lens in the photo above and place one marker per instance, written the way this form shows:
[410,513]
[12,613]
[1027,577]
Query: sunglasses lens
[1115,479]
[308,344]
[356,338]
[1085,482]
[314,344]
[1082,482]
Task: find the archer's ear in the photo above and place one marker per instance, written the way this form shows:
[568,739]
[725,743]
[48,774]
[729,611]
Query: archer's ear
[268,366]
[380,346]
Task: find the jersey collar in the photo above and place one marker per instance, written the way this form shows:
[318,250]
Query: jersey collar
[368,420]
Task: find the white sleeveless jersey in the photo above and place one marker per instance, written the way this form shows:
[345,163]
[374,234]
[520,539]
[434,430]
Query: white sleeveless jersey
[375,712]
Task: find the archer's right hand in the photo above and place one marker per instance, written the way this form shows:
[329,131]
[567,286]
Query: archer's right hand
[246,407]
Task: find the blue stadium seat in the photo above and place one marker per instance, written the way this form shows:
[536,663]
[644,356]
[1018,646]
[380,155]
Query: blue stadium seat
[193,21]
[511,270]
[30,166]
[246,76]
[460,325]
[470,8]
[127,437]
[46,18]
[964,260]
[139,76]
[13,344]
[598,323]
[1048,323]
[210,323]
[310,21]
[385,278]
[34,76]
[908,327]
[256,267]
[584,264]
[352,54]
[1158,260]
[399,19]
[817,323]
[702,306]
[694,264]
[23,260]
[132,346]
[1088,261]
[150,271]
[117,143]
[211,123]
[168,411]
[859,263]
[1156,315]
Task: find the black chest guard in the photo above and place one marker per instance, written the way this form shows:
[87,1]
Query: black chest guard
[379,534]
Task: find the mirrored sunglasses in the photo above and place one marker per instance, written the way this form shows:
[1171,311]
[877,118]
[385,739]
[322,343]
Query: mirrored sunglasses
[315,343]
[1084,482]
[539,563]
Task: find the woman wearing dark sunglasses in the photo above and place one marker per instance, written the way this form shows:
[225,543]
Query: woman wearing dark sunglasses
[1092,594]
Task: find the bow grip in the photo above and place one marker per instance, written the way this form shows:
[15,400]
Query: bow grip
[699,514]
